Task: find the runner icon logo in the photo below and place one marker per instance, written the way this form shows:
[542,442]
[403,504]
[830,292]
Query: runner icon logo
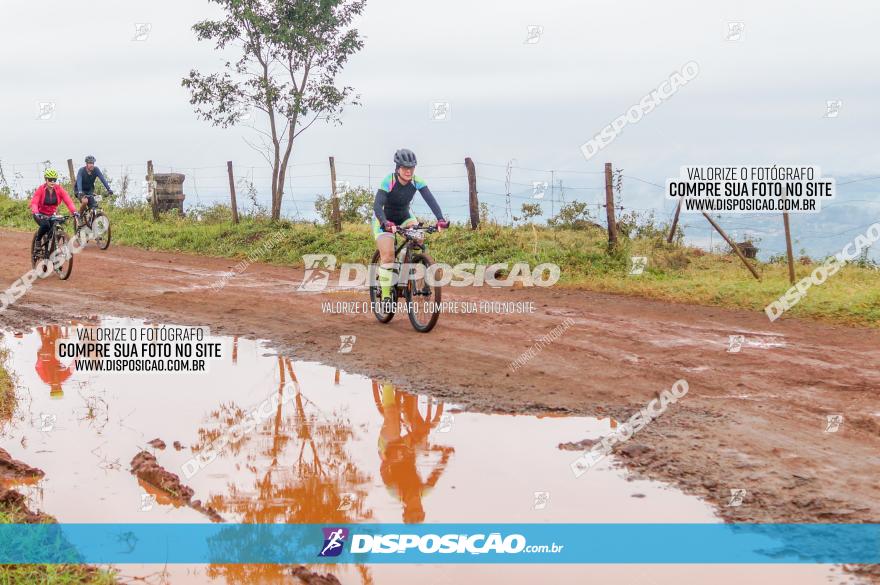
[47,422]
[542,499]
[639,263]
[147,502]
[834,422]
[736,343]
[737,495]
[446,422]
[346,343]
[346,501]
[317,275]
[334,541]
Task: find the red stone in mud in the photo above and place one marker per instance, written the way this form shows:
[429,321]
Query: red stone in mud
[207,511]
[13,469]
[145,467]
[312,578]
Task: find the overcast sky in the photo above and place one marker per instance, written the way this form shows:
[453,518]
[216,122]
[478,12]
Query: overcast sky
[760,99]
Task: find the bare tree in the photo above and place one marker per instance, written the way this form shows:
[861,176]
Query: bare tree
[291,54]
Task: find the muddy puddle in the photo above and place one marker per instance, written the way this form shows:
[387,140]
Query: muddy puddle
[344,448]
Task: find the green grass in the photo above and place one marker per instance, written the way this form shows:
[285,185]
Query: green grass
[49,574]
[7,388]
[54,575]
[674,273]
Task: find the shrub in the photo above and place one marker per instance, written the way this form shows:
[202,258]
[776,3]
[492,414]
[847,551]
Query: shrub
[355,206]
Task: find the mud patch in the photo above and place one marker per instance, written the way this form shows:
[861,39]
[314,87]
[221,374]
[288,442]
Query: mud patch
[15,504]
[270,440]
[146,468]
[157,444]
[307,577]
[12,469]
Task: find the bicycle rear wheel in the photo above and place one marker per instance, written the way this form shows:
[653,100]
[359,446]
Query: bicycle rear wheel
[64,269]
[376,293]
[423,299]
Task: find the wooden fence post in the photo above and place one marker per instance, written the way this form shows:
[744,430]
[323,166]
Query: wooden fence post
[674,223]
[472,193]
[337,217]
[232,192]
[609,207]
[72,175]
[733,245]
[791,276]
[151,190]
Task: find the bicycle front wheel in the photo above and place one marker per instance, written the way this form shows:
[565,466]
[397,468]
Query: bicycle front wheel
[63,269]
[376,293]
[34,257]
[423,298]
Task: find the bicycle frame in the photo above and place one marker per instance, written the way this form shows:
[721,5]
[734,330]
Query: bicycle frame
[409,244]
[407,277]
[57,222]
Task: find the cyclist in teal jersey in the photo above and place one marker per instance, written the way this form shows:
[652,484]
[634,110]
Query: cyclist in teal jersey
[391,209]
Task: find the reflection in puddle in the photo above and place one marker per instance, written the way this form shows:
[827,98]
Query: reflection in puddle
[330,448]
[51,371]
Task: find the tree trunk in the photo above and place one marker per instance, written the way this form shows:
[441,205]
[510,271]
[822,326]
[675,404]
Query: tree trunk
[276,204]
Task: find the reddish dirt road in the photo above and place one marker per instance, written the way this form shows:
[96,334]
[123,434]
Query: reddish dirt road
[753,420]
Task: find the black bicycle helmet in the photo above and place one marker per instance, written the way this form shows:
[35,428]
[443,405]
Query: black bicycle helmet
[90,159]
[405,158]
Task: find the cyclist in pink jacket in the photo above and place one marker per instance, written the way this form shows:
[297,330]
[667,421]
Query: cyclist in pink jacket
[47,197]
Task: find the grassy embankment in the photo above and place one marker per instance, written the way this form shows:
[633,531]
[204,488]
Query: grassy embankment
[674,272]
[9,514]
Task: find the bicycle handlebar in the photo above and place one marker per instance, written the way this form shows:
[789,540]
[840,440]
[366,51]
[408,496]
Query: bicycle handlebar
[418,228]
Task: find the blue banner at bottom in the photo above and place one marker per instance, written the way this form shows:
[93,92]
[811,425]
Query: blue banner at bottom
[440,543]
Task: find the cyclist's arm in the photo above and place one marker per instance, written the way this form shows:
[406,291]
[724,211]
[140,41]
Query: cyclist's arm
[432,203]
[66,198]
[78,188]
[102,179]
[379,205]
[35,200]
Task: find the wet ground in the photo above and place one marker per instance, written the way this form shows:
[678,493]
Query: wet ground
[755,419]
[345,448]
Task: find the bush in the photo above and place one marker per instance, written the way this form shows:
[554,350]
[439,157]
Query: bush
[635,226]
[573,216]
[355,206]
[529,211]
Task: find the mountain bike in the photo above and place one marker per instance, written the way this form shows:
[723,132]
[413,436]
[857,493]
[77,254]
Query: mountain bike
[98,222]
[422,298]
[56,239]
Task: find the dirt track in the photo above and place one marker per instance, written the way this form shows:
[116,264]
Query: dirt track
[753,420]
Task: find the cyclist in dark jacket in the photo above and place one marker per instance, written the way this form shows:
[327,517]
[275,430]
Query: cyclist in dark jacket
[85,184]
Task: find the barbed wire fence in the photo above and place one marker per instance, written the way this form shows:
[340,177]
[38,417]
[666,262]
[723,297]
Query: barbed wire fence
[503,187]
